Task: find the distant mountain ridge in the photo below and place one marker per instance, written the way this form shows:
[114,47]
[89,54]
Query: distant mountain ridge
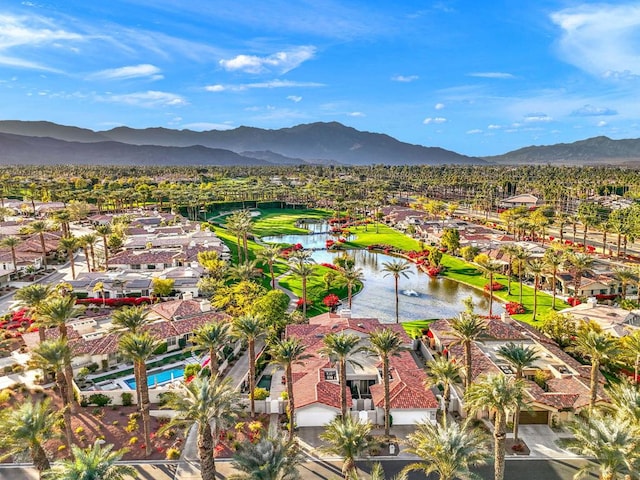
[308,143]
[591,151]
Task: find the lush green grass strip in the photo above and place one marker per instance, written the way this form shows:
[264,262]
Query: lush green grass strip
[414,328]
[385,235]
[282,221]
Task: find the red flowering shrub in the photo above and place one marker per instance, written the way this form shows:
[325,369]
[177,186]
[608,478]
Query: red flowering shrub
[573,301]
[300,302]
[330,265]
[494,287]
[329,243]
[115,302]
[514,308]
[433,271]
[331,300]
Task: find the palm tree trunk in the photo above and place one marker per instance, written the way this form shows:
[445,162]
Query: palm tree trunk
[520,279]
[39,457]
[467,360]
[397,302]
[604,242]
[535,297]
[343,388]
[73,265]
[205,452]
[387,397]
[252,376]
[68,372]
[509,279]
[553,287]
[213,363]
[619,244]
[292,416]
[349,294]
[86,256]
[93,258]
[499,436]
[446,395]
[595,366]
[144,407]
[273,277]
[304,297]
[490,295]
[66,409]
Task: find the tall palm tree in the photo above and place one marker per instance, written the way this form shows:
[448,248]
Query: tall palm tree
[104,231]
[96,462]
[82,243]
[351,277]
[349,439]
[395,269]
[599,348]
[578,264]
[11,242]
[510,249]
[28,426]
[139,347]
[212,337]
[631,351]
[239,223]
[467,327]
[342,347]
[270,255]
[304,270]
[269,459]
[51,355]
[625,401]
[490,268]
[244,271]
[445,373]
[385,343]
[519,357]
[626,277]
[552,262]
[535,267]
[62,218]
[90,239]
[521,256]
[448,450]
[611,441]
[212,406]
[130,319]
[69,245]
[250,328]
[41,227]
[33,297]
[498,394]
[286,353]
[56,312]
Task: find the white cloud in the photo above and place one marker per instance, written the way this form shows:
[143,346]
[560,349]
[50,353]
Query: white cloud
[356,114]
[405,78]
[601,39]
[436,120]
[439,106]
[493,126]
[491,75]
[269,84]
[602,123]
[537,117]
[475,131]
[591,111]
[281,62]
[150,98]
[203,126]
[294,98]
[133,71]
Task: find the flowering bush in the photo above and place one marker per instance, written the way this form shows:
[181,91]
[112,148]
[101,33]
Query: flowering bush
[300,302]
[115,302]
[433,271]
[514,308]
[331,300]
[573,301]
[331,266]
[493,287]
[329,243]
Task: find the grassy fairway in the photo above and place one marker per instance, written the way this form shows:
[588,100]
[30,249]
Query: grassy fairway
[461,271]
[415,327]
[386,235]
[282,221]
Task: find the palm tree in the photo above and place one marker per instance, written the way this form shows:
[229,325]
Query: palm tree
[519,357]
[599,348]
[270,255]
[303,270]
[33,297]
[349,439]
[490,268]
[139,347]
[510,249]
[631,351]
[552,262]
[578,264]
[92,463]
[250,329]
[99,287]
[351,276]
[341,346]
[212,337]
[626,277]
[40,227]
[69,245]
[269,459]
[11,242]
[90,239]
[611,441]
[239,223]
[82,243]
[28,427]
[130,319]
[56,312]
[211,405]
[467,327]
[51,355]
[521,256]
[443,372]
[396,268]
[497,393]
[244,271]
[448,450]
[625,401]
[535,267]
[287,353]
[384,344]
[104,231]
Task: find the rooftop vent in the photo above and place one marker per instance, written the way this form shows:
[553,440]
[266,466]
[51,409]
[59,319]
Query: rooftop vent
[344,313]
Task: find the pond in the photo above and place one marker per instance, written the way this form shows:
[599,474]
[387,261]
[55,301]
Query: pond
[421,297]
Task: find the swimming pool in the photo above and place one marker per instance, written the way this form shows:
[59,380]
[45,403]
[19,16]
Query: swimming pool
[159,378]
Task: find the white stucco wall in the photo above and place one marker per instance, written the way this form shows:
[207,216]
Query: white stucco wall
[315,415]
[412,416]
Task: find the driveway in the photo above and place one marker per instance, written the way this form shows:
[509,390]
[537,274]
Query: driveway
[541,440]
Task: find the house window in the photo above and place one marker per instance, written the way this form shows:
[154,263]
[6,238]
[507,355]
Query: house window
[330,375]
[151,267]
[136,267]
[172,342]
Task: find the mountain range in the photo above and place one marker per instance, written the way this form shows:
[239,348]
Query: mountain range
[315,143]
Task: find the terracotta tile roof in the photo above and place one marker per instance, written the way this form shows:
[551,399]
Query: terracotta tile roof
[502,331]
[177,308]
[135,257]
[310,389]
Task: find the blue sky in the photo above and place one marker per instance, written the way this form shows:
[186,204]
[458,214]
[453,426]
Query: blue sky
[479,78]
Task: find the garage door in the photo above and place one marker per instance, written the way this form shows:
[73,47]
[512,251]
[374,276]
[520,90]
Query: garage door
[534,418]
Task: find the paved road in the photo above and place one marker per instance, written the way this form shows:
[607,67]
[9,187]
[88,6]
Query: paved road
[518,469]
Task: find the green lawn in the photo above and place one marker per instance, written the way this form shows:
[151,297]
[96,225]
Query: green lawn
[282,221]
[415,327]
[386,235]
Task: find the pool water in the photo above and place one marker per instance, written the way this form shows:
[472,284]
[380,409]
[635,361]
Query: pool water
[265,382]
[159,378]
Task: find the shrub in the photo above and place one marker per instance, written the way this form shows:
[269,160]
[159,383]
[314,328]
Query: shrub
[255,426]
[284,395]
[62,448]
[494,287]
[93,367]
[514,308]
[192,369]
[5,395]
[260,393]
[132,426]
[162,348]
[99,399]
[331,300]
[79,430]
[127,399]
[133,440]
[173,454]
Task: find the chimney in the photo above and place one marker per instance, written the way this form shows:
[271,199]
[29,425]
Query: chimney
[592,302]
[504,317]
[344,313]
[187,296]
[205,306]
